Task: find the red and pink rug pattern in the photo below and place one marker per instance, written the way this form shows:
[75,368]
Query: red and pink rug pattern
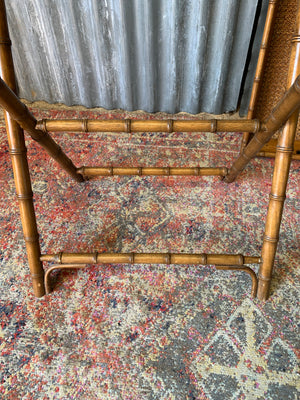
[147,332]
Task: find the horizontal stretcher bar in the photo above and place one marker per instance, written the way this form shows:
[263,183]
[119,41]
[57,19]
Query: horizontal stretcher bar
[135,125]
[273,155]
[151,171]
[149,258]
[234,262]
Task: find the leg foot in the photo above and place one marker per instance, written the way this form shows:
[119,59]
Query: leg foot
[38,285]
[263,291]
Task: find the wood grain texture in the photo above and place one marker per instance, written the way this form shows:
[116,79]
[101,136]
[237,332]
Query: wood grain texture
[149,258]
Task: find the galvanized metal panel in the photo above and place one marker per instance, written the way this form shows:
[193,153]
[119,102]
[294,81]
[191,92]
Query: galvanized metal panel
[155,55]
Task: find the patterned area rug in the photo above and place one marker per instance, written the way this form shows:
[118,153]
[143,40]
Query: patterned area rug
[147,331]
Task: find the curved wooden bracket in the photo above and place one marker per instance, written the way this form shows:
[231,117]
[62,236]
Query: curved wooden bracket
[249,271]
[246,269]
[47,277]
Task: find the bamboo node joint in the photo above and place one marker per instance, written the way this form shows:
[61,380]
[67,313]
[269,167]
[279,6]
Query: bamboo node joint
[31,238]
[42,125]
[257,126]
[224,171]
[24,196]
[127,122]
[244,155]
[95,257]
[213,126]
[18,151]
[131,258]
[262,278]
[258,141]
[84,122]
[270,239]
[296,38]
[169,125]
[168,258]
[57,259]
[36,276]
[240,259]
[281,149]
[275,197]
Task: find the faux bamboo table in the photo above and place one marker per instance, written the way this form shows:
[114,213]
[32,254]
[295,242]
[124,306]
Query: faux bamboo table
[258,132]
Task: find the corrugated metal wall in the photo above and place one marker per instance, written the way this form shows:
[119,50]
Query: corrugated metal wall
[155,55]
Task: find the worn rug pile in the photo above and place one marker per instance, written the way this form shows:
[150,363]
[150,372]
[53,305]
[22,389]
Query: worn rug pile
[147,332]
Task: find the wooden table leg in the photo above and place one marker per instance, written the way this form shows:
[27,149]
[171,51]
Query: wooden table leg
[17,151]
[280,178]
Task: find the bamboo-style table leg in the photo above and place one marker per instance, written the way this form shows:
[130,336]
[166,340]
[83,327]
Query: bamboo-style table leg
[280,178]
[279,183]
[17,151]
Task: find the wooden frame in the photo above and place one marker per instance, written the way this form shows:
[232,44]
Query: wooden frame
[18,117]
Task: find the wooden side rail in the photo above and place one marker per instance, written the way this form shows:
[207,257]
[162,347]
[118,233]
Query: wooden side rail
[137,125]
[288,105]
[88,172]
[233,262]
[20,113]
[149,258]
